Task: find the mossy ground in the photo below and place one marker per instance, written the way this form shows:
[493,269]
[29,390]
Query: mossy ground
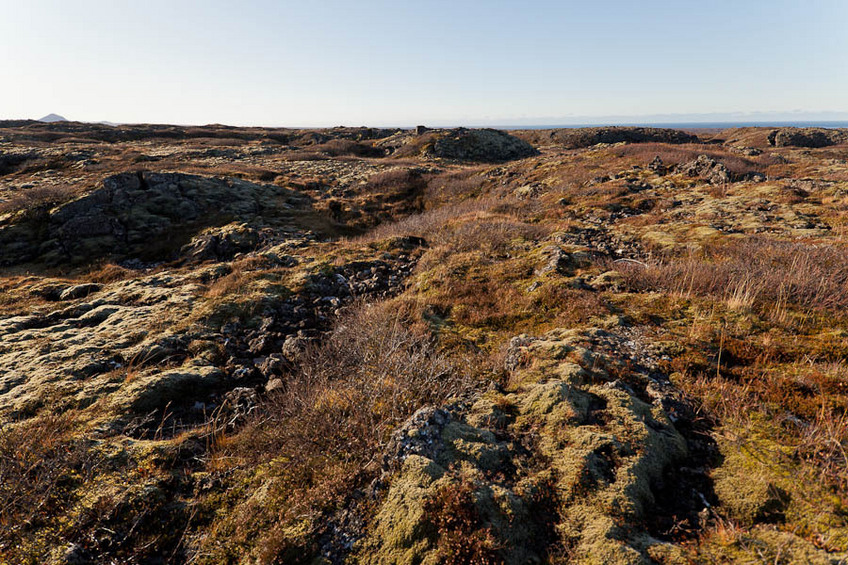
[624,275]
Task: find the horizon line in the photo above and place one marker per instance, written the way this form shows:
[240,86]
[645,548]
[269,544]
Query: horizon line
[750,119]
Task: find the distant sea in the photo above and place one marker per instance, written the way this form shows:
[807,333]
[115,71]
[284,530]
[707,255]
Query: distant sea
[693,125]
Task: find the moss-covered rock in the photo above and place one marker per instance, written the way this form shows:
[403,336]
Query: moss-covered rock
[562,463]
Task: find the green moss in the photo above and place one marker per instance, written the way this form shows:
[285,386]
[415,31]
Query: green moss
[598,449]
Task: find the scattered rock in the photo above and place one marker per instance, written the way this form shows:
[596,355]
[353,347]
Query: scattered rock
[529,190]
[657,165]
[706,168]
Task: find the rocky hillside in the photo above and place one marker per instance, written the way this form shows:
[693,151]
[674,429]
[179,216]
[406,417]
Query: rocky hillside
[355,345]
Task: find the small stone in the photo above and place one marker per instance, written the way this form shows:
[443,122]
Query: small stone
[79,291]
[273,384]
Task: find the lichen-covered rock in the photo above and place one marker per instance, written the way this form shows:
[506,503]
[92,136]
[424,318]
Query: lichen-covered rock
[460,144]
[147,215]
[566,459]
[574,138]
[706,168]
[222,244]
[79,291]
[103,346]
[807,137]
[487,145]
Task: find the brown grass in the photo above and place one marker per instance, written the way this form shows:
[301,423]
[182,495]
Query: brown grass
[428,224]
[401,181]
[491,235]
[36,199]
[463,536]
[754,270]
[824,444]
[39,468]
[108,273]
[671,155]
[322,434]
[349,391]
[341,147]
[455,186]
[819,439]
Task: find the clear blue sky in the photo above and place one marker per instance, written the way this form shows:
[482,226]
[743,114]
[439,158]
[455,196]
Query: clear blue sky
[314,62]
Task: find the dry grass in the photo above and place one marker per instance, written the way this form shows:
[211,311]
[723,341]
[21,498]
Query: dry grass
[230,285]
[108,273]
[580,169]
[349,391]
[341,147]
[773,367]
[401,182]
[671,155]
[455,186]
[824,445]
[33,200]
[39,468]
[322,434]
[491,235]
[817,438]
[754,270]
[430,223]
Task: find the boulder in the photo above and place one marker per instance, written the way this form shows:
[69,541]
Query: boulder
[486,145]
[79,291]
[706,168]
[222,244]
[144,215]
[807,137]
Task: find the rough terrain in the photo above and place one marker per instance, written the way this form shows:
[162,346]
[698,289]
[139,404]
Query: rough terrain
[361,345]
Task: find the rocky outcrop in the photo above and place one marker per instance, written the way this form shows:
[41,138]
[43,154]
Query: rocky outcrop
[223,243]
[145,215]
[32,130]
[706,168]
[487,145]
[461,144]
[807,137]
[570,460]
[9,159]
[573,138]
[126,347]
[98,345]
[715,172]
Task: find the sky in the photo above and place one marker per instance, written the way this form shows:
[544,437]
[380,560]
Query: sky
[433,62]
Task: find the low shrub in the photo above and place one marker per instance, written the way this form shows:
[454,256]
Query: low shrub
[319,435]
[349,391]
[40,466]
[673,155]
[33,200]
[753,270]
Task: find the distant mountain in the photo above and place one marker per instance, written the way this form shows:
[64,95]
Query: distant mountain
[52,118]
